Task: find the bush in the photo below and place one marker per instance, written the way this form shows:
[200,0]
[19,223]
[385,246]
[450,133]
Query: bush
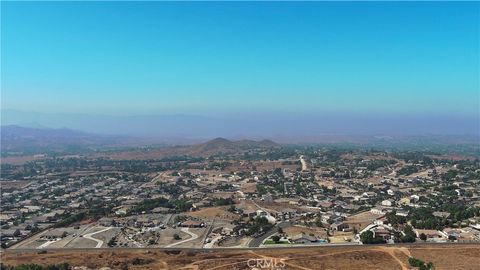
[420,264]
[112,242]
[139,261]
[415,262]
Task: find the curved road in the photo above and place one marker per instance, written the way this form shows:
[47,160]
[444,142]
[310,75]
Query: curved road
[46,244]
[256,242]
[192,237]
[99,242]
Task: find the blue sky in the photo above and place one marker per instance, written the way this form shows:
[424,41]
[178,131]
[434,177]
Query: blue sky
[241,58]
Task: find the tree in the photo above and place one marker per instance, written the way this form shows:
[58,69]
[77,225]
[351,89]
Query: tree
[112,242]
[415,262]
[318,222]
[423,237]
[367,238]
[176,237]
[276,238]
[409,236]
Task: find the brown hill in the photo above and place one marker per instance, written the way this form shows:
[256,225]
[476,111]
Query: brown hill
[443,256]
[212,147]
[21,141]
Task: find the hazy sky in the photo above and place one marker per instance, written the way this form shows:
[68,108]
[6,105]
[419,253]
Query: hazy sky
[241,58]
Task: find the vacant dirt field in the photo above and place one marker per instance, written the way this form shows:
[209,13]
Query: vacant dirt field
[446,257]
[361,220]
[294,230]
[18,184]
[18,160]
[213,212]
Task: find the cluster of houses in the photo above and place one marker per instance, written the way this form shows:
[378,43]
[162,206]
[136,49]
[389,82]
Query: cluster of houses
[323,190]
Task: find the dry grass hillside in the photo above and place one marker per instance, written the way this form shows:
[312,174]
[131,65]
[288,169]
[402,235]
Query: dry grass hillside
[444,257]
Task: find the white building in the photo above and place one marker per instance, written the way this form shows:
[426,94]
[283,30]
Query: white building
[387,203]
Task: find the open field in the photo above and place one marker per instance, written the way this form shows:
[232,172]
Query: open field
[361,220]
[213,212]
[294,230]
[457,256]
[17,184]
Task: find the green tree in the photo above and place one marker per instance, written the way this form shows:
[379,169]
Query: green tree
[367,238]
[409,235]
[423,237]
[276,238]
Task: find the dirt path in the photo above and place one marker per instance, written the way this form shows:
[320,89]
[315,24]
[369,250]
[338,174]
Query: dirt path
[391,251]
[194,265]
[284,260]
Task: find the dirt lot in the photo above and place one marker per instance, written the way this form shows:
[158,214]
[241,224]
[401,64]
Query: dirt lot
[294,230]
[18,184]
[341,237]
[341,257]
[271,165]
[361,220]
[213,212]
[18,160]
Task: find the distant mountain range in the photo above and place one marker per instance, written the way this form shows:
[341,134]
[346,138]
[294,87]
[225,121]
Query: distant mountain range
[281,127]
[17,140]
[23,140]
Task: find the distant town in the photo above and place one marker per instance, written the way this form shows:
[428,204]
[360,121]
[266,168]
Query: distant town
[238,194]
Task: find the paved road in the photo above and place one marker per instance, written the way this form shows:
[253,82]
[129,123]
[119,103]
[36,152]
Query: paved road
[99,242]
[79,233]
[304,163]
[46,244]
[192,237]
[256,242]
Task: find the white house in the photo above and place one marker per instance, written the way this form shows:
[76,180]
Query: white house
[387,203]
